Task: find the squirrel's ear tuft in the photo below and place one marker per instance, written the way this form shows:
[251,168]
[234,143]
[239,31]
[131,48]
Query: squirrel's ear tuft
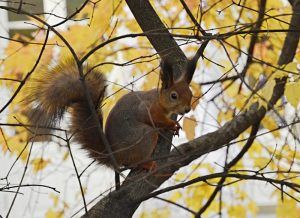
[166,74]
[192,63]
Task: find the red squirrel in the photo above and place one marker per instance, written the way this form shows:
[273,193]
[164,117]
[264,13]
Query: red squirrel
[133,124]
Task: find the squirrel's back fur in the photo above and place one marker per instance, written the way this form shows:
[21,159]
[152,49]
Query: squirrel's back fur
[129,130]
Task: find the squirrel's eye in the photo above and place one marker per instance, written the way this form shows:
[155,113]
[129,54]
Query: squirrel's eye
[174,95]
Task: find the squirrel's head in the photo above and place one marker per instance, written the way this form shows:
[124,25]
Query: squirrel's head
[175,95]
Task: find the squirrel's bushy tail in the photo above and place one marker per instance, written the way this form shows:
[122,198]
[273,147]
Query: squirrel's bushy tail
[60,88]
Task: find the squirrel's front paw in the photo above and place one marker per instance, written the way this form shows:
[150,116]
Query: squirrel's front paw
[176,129]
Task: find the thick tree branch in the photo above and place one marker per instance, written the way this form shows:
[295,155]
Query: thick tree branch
[164,44]
[292,39]
[291,2]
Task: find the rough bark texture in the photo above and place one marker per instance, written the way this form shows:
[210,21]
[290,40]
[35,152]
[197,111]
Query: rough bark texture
[159,36]
[138,185]
[292,39]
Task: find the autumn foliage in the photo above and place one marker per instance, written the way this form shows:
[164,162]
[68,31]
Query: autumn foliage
[238,69]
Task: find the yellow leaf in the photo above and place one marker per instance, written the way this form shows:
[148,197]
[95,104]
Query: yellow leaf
[253,209]
[18,145]
[297,56]
[195,201]
[176,196]
[274,4]
[292,93]
[224,116]
[255,149]
[39,164]
[241,101]
[260,162]
[266,93]
[287,209]
[292,67]
[254,72]
[192,4]
[270,124]
[232,90]
[155,213]
[196,89]
[15,67]
[260,50]
[66,155]
[151,81]
[55,199]
[180,177]
[54,214]
[237,211]
[111,100]
[189,125]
